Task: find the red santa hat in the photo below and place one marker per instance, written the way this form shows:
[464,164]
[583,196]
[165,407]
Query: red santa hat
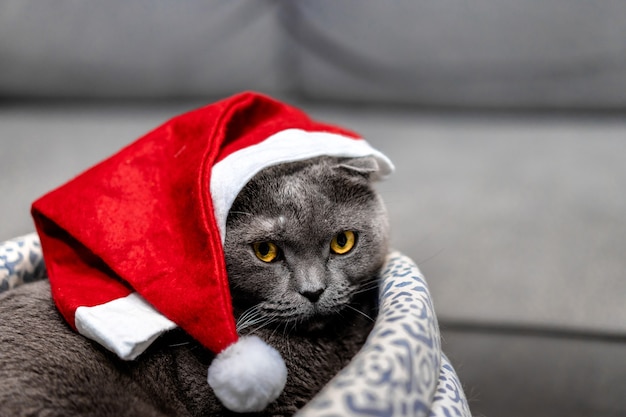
[133,246]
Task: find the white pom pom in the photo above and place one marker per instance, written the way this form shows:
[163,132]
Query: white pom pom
[247,375]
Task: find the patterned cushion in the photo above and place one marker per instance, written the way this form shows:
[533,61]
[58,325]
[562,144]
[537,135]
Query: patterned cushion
[21,261]
[400,370]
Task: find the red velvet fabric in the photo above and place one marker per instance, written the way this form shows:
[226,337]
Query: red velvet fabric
[142,220]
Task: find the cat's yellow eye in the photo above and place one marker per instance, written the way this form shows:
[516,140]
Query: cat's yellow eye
[343,242]
[265,251]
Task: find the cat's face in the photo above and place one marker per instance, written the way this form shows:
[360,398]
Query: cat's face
[302,239]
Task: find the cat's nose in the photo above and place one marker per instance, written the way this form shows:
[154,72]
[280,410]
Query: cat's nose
[313,295]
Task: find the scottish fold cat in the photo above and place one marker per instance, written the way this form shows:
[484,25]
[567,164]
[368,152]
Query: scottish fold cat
[304,244]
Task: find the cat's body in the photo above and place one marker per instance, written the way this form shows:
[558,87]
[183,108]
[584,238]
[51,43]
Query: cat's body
[304,244]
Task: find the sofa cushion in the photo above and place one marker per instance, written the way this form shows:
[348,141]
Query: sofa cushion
[137,48]
[483,53]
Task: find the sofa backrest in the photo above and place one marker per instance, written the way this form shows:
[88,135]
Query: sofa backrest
[484,53]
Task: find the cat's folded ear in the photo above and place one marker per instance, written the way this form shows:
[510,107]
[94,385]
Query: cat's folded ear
[364,166]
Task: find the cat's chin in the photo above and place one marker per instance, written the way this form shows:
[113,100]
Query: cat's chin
[320,321]
[315,323]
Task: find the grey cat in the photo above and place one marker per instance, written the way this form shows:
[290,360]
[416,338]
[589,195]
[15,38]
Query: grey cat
[304,244]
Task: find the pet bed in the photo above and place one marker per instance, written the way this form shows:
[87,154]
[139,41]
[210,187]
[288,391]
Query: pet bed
[400,371]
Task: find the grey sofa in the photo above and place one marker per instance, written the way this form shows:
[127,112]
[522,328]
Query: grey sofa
[506,121]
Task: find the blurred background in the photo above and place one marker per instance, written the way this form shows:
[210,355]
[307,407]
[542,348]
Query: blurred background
[506,121]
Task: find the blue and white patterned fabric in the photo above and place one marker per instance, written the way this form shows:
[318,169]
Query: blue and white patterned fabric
[21,261]
[400,371]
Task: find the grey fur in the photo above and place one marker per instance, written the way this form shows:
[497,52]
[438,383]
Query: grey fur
[48,370]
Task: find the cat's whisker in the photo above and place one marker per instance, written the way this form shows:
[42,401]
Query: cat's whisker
[249,324]
[370,282]
[179,344]
[256,317]
[360,312]
[240,212]
[251,317]
[285,333]
[364,290]
[421,262]
[367,286]
[274,332]
[290,326]
[339,311]
[263,323]
[274,308]
[288,346]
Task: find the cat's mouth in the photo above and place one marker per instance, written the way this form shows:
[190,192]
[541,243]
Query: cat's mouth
[295,315]
[290,318]
[312,319]
[315,322]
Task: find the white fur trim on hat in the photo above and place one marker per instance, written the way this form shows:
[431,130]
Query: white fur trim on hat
[247,375]
[125,326]
[230,175]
